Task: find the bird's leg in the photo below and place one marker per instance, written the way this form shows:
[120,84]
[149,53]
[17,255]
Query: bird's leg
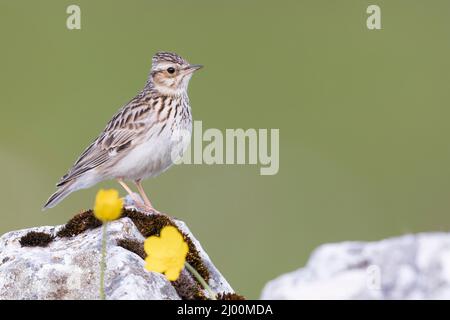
[147,201]
[130,192]
[144,195]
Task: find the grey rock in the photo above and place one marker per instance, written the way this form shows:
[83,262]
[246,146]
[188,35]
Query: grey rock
[68,268]
[407,267]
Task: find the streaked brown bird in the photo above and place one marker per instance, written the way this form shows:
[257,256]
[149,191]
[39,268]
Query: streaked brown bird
[140,139]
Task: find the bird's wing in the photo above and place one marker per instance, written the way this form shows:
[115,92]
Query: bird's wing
[126,129]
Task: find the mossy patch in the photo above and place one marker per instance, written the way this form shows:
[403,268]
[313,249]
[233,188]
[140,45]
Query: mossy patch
[188,288]
[133,246]
[36,239]
[79,223]
[229,296]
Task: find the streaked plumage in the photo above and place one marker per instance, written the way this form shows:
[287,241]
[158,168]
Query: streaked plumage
[138,141]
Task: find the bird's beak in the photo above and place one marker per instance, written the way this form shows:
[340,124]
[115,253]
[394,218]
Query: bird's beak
[193,67]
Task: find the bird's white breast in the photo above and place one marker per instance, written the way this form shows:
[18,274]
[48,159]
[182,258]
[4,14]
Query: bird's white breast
[158,150]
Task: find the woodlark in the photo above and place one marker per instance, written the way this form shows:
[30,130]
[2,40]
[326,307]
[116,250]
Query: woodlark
[138,141]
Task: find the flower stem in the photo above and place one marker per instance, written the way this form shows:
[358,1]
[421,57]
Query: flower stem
[103,262]
[201,280]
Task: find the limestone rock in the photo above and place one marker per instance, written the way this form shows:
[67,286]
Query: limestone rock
[68,267]
[407,267]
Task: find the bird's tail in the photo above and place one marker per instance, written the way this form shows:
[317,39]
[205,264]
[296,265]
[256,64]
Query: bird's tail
[62,192]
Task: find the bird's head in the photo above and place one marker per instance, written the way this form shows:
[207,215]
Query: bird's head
[170,73]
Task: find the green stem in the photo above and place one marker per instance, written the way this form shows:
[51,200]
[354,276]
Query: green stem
[103,262]
[201,280]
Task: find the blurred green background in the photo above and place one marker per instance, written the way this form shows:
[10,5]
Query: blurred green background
[363,117]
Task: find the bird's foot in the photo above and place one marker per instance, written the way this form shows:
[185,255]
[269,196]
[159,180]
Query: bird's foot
[148,209]
[137,202]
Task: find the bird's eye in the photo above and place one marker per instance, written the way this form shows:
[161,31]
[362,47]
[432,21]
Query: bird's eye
[170,70]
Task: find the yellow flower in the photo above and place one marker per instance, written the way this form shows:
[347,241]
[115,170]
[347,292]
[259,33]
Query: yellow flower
[108,205]
[167,253]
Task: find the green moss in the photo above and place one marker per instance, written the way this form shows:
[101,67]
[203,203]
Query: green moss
[229,296]
[148,225]
[187,288]
[133,246]
[36,239]
[79,223]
